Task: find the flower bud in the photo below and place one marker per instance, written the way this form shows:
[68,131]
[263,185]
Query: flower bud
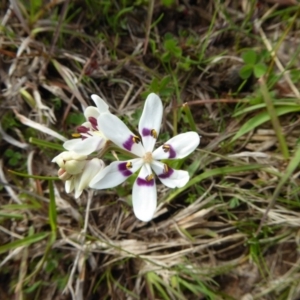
[63,175]
[81,181]
[71,162]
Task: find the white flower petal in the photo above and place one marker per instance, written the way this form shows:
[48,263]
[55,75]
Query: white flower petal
[117,132]
[85,146]
[91,111]
[100,103]
[179,146]
[69,185]
[170,177]
[144,196]
[77,190]
[87,124]
[150,121]
[92,167]
[116,173]
[69,155]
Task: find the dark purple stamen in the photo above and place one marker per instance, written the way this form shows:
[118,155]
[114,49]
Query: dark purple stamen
[143,182]
[166,174]
[124,170]
[82,129]
[128,143]
[146,132]
[94,122]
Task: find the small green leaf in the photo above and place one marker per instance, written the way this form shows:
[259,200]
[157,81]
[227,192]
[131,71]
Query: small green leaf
[177,52]
[168,3]
[164,82]
[166,57]
[13,162]
[170,44]
[154,86]
[259,70]
[75,119]
[249,57]
[246,71]
[9,153]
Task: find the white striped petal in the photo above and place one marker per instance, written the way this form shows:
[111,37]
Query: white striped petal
[170,177]
[150,121]
[144,196]
[117,132]
[85,146]
[91,111]
[100,103]
[179,146]
[69,185]
[77,191]
[116,173]
[92,167]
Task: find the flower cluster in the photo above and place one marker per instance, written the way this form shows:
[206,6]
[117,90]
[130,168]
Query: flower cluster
[102,128]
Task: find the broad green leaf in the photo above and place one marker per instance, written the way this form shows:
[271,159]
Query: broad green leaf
[262,118]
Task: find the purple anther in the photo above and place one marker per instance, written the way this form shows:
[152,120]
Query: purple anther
[166,174]
[82,129]
[94,122]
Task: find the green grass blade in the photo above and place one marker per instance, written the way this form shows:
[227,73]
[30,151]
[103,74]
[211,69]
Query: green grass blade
[281,102]
[274,119]
[52,211]
[46,144]
[186,109]
[24,242]
[262,118]
[211,173]
[33,176]
[292,166]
